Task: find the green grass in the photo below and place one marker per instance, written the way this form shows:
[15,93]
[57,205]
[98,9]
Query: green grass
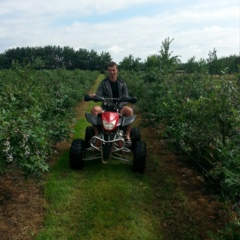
[99,202]
[103,201]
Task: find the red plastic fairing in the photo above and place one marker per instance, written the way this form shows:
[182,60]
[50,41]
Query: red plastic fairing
[110,121]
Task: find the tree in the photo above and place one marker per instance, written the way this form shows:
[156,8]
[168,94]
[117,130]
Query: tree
[93,60]
[191,66]
[212,62]
[81,59]
[69,58]
[152,61]
[168,63]
[104,59]
[129,63]
[3,62]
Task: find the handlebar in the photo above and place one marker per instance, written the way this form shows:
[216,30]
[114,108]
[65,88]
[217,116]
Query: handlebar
[96,98]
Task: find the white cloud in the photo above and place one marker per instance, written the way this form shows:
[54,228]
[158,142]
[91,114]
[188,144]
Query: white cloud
[196,26]
[64,7]
[115,49]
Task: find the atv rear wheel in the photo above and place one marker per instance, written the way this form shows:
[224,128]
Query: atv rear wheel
[135,136]
[139,157]
[76,154]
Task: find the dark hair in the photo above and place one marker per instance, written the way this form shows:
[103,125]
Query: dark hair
[112,64]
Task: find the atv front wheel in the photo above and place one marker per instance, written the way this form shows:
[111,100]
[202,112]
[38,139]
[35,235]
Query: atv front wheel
[76,154]
[139,157]
[106,151]
[89,133]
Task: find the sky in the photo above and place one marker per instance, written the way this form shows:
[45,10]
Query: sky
[124,27]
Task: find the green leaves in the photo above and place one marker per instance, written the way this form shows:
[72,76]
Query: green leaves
[37,108]
[200,116]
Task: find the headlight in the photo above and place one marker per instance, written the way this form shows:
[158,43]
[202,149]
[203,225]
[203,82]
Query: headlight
[109,126]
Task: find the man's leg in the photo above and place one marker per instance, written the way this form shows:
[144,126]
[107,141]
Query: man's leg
[127,111]
[95,111]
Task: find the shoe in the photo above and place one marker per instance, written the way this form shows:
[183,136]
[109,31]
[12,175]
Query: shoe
[128,142]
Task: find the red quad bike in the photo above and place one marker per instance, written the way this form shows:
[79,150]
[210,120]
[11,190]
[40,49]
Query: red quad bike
[110,142]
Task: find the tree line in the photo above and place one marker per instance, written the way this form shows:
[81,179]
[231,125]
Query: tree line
[213,63]
[55,57]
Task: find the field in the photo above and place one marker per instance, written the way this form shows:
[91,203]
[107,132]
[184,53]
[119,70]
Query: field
[172,200]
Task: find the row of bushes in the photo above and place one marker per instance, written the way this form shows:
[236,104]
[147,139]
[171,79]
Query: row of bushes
[36,109]
[201,116]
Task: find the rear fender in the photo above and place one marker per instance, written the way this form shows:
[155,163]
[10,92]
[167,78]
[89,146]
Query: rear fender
[128,120]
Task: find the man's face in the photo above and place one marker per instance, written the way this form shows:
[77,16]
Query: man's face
[112,73]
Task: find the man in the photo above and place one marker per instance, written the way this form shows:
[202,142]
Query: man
[113,87]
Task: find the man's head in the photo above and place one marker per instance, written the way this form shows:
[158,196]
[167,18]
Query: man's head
[112,71]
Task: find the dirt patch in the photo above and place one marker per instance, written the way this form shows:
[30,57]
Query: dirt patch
[201,199]
[21,206]
[22,201]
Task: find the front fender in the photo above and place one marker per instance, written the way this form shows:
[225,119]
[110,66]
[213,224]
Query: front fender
[128,120]
[94,120]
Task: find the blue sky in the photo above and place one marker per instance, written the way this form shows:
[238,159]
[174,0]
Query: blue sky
[124,27]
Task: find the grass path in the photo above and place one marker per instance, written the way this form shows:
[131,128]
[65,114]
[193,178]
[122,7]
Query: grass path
[108,201]
[103,201]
